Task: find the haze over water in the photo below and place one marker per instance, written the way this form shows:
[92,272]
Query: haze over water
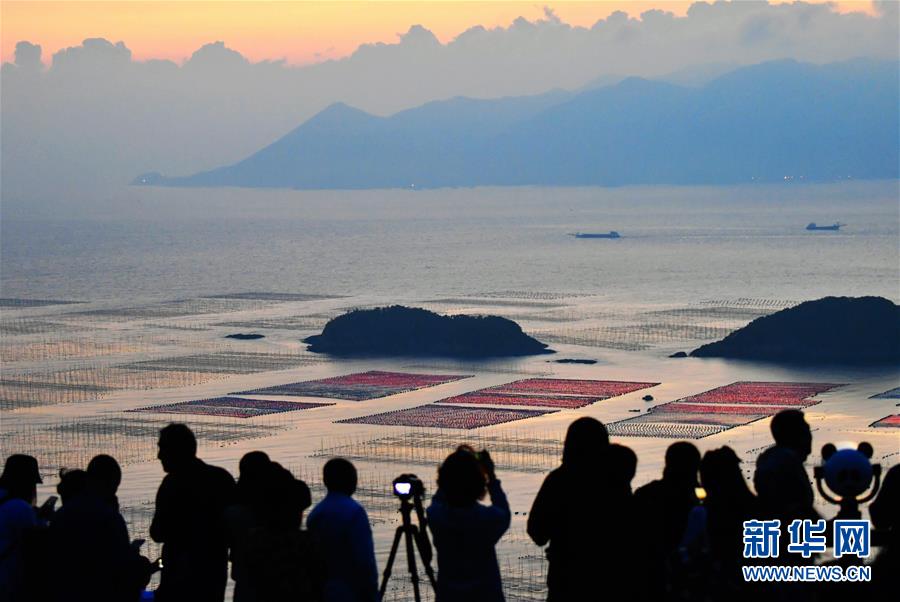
[678,244]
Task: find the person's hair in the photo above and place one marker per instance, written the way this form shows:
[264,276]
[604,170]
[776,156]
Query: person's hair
[286,498]
[586,439]
[682,462]
[104,472]
[179,440]
[788,427]
[71,484]
[339,476]
[622,463]
[720,471]
[461,478]
[253,463]
[20,476]
[255,468]
[301,495]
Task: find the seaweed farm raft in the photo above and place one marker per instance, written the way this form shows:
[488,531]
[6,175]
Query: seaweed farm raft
[720,409]
[358,387]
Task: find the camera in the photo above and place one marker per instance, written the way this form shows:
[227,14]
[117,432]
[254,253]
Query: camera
[408,486]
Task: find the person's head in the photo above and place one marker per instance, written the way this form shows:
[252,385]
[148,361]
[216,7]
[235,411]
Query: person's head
[586,440]
[253,464]
[461,478]
[720,473]
[255,467]
[339,476]
[177,446]
[104,475]
[20,477]
[790,429]
[682,461]
[72,483]
[622,464]
[286,498]
[299,498]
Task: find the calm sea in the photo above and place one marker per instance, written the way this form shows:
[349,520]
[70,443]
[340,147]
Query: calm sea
[678,244]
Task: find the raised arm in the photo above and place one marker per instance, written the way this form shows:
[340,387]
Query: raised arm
[499,511]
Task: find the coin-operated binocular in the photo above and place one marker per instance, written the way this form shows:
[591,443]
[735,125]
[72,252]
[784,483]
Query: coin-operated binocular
[848,473]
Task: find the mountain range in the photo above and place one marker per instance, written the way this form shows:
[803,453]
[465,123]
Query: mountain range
[767,122]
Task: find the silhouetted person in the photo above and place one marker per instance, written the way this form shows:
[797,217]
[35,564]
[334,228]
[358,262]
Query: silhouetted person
[885,514]
[341,529]
[18,520]
[189,521]
[281,560]
[71,484]
[781,481]
[93,558]
[714,535]
[246,514]
[465,531]
[568,512]
[617,542]
[663,506]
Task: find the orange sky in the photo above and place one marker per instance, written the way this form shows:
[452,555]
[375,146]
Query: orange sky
[300,32]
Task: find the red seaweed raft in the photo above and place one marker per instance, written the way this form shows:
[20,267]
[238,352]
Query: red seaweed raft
[359,386]
[231,407]
[720,409]
[549,393]
[892,422]
[446,417]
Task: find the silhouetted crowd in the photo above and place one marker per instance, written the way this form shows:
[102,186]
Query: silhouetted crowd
[675,538]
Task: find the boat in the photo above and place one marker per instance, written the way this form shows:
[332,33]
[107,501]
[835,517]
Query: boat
[833,227]
[610,234]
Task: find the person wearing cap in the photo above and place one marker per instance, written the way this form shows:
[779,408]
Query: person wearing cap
[18,491]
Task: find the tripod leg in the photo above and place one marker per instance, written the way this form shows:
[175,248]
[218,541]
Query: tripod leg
[425,560]
[390,563]
[411,560]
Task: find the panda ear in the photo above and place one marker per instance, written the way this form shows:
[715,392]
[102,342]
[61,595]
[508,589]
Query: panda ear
[865,448]
[828,450]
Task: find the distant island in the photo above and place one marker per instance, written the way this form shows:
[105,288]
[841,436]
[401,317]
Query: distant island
[753,124]
[832,330]
[409,331]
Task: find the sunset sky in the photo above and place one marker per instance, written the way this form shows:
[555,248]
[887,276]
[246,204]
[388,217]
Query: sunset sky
[299,32]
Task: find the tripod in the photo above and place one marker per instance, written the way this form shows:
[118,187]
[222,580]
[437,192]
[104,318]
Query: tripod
[411,533]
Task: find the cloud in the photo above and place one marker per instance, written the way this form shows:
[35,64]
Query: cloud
[96,117]
[28,56]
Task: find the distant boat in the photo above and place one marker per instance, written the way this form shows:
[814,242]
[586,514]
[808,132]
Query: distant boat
[833,227]
[610,234]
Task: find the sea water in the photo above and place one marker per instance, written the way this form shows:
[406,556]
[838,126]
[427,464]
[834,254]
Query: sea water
[457,249]
[678,244]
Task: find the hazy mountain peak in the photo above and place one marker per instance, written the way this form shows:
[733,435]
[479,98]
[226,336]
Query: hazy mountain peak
[741,127]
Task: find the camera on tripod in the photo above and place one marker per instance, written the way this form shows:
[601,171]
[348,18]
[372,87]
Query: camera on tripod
[408,486]
[410,489]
